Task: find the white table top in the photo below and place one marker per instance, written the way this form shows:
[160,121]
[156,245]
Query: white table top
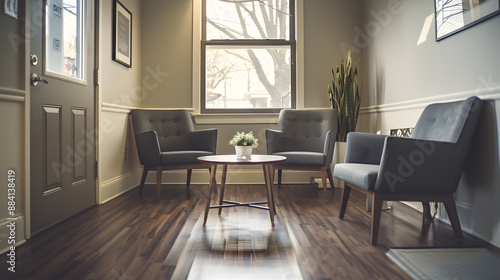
[232,159]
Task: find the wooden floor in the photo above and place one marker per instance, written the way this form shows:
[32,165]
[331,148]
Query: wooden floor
[134,237]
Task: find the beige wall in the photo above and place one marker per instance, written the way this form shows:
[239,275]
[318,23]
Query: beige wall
[13,98]
[167,45]
[400,69]
[403,75]
[120,90]
[166,48]
[328,29]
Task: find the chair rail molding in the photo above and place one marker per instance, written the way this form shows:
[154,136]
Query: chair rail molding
[10,94]
[492,93]
[124,109]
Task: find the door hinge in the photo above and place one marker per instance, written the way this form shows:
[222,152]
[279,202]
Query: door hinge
[96,169]
[96,77]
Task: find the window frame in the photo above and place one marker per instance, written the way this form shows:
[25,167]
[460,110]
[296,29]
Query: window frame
[291,43]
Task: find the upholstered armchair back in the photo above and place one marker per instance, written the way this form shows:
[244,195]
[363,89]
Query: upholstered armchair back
[307,127]
[448,122]
[169,125]
[455,123]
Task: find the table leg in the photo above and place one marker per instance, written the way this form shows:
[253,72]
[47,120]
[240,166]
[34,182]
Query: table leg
[212,182]
[271,171]
[223,185]
[270,200]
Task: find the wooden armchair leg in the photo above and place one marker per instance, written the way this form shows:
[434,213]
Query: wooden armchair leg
[143,179]
[323,180]
[330,177]
[451,209]
[377,201]
[158,182]
[345,198]
[426,211]
[188,179]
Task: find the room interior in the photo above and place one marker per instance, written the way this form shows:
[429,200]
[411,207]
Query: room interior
[402,69]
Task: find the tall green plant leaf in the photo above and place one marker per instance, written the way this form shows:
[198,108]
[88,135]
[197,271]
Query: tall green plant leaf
[344,96]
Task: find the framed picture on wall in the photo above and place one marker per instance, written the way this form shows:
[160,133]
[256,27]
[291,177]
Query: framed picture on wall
[453,16]
[122,34]
[10,7]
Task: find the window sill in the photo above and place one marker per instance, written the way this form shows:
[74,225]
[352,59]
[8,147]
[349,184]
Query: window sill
[235,118]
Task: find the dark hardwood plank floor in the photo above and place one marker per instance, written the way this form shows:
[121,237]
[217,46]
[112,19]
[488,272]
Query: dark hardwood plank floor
[134,237]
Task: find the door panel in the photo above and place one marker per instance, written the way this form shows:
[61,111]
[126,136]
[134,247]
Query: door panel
[80,146]
[62,112]
[52,148]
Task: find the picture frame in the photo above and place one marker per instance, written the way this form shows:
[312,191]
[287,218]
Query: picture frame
[454,16]
[122,34]
[10,8]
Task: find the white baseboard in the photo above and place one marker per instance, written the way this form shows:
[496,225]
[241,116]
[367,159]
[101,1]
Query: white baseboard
[234,176]
[476,222]
[118,185]
[5,233]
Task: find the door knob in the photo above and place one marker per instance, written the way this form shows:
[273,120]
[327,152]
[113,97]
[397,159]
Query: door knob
[35,79]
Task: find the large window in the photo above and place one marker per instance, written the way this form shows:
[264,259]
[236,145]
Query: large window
[248,56]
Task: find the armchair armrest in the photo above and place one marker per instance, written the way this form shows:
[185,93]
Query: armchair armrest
[148,148]
[276,141]
[419,166]
[201,140]
[364,148]
[329,146]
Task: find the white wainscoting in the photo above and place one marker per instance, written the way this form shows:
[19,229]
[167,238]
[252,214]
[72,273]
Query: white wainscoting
[118,185]
[118,164]
[13,151]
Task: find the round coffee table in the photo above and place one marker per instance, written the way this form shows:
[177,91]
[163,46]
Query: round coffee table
[265,160]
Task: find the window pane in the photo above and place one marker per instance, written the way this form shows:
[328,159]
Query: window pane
[247,77]
[63,38]
[236,19]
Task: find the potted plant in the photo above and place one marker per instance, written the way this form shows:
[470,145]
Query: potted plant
[344,96]
[243,144]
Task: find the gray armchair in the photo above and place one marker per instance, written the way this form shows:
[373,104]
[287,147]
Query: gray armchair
[166,140]
[425,167]
[307,139]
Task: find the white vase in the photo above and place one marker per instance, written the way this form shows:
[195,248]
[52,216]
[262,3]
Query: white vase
[243,151]
[338,157]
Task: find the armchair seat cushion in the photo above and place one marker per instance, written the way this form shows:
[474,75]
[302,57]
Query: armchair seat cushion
[360,175]
[303,158]
[182,157]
